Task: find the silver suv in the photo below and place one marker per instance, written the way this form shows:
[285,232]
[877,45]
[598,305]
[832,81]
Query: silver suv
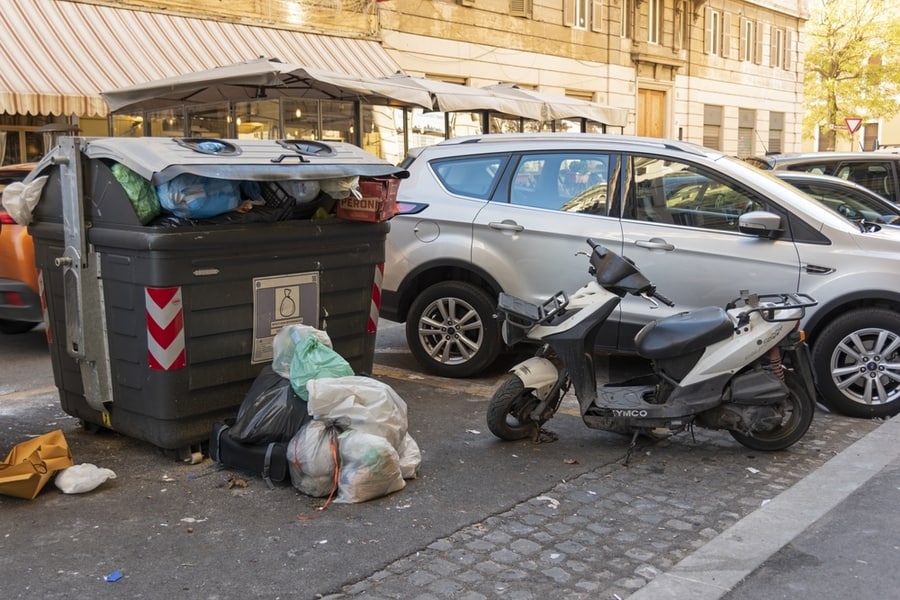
[510,212]
[879,171]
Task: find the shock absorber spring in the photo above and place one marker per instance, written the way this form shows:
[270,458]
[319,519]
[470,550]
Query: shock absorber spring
[773,363]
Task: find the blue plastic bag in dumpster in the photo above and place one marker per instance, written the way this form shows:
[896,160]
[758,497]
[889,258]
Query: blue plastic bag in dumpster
[197,197]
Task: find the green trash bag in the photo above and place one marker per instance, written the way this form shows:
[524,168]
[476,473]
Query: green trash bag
[314,360]
[139,191]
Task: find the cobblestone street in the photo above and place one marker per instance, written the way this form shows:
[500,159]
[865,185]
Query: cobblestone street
[606,533]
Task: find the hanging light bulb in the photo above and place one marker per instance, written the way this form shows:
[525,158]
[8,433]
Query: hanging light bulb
[298,113]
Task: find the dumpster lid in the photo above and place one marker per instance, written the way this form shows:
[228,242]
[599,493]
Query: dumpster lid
[161,159]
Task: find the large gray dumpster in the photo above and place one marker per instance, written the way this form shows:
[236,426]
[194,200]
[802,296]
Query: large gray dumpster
[157,331]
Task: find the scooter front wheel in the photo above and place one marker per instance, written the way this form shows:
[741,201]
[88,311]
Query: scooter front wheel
[508,415]
[798,408]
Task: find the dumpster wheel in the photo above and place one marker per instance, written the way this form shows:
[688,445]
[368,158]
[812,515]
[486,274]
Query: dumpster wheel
[192,454]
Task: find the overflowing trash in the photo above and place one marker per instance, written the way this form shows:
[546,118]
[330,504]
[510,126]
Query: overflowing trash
[340,435]
[190,198]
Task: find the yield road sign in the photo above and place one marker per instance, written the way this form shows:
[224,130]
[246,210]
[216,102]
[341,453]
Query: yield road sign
[853,124]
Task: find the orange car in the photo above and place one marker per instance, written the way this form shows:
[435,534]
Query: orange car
[20,302]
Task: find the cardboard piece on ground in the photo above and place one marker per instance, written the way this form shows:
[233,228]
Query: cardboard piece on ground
[31,464]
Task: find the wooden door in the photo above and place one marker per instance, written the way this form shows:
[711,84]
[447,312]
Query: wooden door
[651,113]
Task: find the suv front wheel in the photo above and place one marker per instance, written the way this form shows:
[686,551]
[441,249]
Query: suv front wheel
[855,359]
[451,329]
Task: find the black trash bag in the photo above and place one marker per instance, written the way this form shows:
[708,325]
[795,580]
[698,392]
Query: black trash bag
[270,412]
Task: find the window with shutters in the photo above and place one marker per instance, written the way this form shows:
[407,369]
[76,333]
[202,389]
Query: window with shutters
[776,132]
[713,41]
[520,8]
[598,15]
[627,18]
[654,21]
[748,40]
[680,25]
[758,46]
[712,126]
[776,52]
[870,136]
[746,132]
[575,13]
[786,62]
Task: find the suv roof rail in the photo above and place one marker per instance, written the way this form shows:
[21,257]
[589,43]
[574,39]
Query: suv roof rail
[661,143]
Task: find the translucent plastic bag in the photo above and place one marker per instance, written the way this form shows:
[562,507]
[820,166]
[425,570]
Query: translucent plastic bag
[270,412]
[19,199]
[365,404]
[82,478]
[370,467]
[311,457]
[285,343]
[410,457]
[313,360]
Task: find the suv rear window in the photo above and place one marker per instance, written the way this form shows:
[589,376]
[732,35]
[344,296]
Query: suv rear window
[472,176]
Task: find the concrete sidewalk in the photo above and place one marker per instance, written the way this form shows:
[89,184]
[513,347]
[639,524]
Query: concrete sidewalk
[834,534]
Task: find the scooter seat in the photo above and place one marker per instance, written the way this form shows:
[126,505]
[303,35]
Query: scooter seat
[683,333]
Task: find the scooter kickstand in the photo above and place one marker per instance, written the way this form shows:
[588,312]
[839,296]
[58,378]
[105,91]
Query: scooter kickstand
[631,447]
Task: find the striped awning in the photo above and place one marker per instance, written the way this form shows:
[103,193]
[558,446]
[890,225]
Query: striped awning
[58,56]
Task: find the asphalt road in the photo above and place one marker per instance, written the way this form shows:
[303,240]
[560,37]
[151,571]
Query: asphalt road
[177,530]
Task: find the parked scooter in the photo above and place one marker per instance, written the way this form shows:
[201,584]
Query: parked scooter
[744,368]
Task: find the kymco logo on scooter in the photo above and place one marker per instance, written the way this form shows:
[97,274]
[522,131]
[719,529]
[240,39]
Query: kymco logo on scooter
[620,412]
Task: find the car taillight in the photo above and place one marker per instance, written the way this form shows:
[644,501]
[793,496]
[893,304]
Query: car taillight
[12,299]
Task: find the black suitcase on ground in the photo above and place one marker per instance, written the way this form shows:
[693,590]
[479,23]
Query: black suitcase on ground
[268,461]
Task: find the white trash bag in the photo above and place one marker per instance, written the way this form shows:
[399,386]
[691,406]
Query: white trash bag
[310,458]
[360,402]
[370,467]
[20,198]
[85,477]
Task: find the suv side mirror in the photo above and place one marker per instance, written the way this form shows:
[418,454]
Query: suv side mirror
[760,223]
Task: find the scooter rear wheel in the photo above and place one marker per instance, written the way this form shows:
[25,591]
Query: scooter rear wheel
[799,408]
[507,415]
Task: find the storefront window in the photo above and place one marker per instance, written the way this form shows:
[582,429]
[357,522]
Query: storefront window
[209,121]
[383,133]
[26,138]
[301,119]
[258,120]
[166,123]
[338,122]
[127,125]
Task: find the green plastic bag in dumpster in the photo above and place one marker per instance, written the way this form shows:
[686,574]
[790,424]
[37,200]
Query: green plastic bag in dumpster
[313,360]
[139,191]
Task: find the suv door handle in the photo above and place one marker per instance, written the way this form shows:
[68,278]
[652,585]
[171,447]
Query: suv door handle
[506,226]
[655,244]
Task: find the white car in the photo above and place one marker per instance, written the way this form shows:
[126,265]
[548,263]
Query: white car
[510,212]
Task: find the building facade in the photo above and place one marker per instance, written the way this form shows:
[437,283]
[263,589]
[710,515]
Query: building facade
[723,73]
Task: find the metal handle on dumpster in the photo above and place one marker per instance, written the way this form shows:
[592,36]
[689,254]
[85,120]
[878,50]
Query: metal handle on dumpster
[82,283]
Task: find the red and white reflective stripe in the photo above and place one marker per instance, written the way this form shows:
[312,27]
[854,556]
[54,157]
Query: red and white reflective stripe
[375,307]
[165,329]
[48,331]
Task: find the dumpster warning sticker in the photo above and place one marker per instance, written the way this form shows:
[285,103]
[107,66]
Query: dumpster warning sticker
[165,329]
[278,301]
